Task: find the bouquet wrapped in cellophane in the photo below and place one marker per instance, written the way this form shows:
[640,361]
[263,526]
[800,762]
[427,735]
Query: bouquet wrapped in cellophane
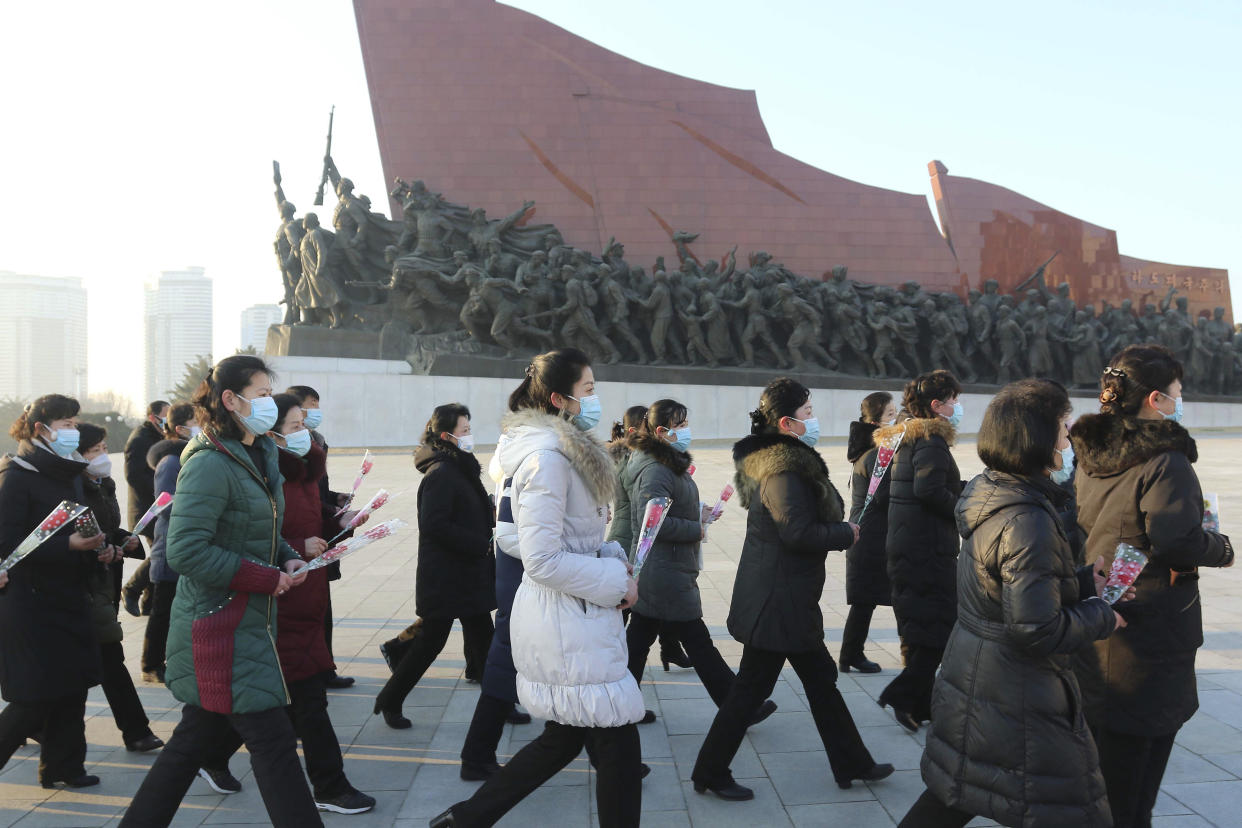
[883,459]
[359,541]
[363,471]
[377,500]
[1127,564]
[653,518]
[63,514]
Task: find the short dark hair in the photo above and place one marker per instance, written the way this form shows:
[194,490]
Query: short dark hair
[89,436]
[232,373]
[444,418]
[46,409]
[664,413]
[634,416]
[873,405]
[782,397]
[303,393]
[925,388]
[1132,374]
[1021,426]
[555,371]
[156,407]
[284,404]
[181,414]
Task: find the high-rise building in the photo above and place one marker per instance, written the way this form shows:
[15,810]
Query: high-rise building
[255,320]
[177,311]
[43,336]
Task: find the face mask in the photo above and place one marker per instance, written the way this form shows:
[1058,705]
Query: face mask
[64,441]
[811,435]
[1176,416]
[298,442]
[1063,474]
[312,417]
[466,442]
[263,415]
[589,412]
[100,467]
[955,419]
[681,438]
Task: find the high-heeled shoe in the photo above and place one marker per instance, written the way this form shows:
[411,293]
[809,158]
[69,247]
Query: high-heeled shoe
[766,709]
[676,657]
[873,774]
[903,717]
[393,718]
[444,820]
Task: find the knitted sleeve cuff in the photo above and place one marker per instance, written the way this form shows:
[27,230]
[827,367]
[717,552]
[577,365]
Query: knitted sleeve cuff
[253,577]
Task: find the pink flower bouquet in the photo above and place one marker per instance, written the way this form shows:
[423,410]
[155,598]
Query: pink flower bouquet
[1127,564]
[377,500]
[653,518]
[363,471]
[718,509]
[63,514]
[349,547]
[883,459]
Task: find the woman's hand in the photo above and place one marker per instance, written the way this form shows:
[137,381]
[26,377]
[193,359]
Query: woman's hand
[348,517]
[4,579]
[856,529]
[109,554]
[631,594]
[295,566]
[80,544]
[1118,621]
[283,584]
[131,543]
[315,547]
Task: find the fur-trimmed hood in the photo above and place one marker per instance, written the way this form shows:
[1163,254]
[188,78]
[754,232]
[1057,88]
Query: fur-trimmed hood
[917,428]
[295,469]
[860,440]
[662,452]
[1105,444]
[618,450]
[530,430]
[760,456]
[164,448]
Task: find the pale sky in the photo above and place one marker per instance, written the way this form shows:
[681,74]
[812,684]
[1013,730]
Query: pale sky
[166,117]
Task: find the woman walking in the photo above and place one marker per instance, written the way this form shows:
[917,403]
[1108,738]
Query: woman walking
[922,542]
[866,564]
[794,518]
[456,567]
[49,656]
[224,540]
[1136,484]
[568,640]
[1008,740]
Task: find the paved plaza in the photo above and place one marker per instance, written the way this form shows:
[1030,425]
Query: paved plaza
[414,773]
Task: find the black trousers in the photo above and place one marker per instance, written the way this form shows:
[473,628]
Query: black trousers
[118,687]
[425,645]
[486,727]
[854,636]
[704,657]
[140,581]
[929,812]
[61,727]
[1133,767]
[615,752]
[756,676]
[328,622]
[911,690]
[155,642]
[268,736]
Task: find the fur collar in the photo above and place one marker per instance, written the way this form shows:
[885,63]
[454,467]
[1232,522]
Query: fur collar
[917,428]
[618,450]
[663,453]
[298,469]
[585,453]
[760,456]
[436,450]
[860,440]
[1105,444]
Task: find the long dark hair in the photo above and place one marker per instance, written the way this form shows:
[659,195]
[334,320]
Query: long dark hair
[782,398]
[926,388]
[663,413]
[230,374]
[444,418]
[46,409]
[555,371]
[872,407]
[633,418]
[1132,374]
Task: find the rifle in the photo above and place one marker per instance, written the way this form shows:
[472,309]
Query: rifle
[327,153]
[1039,272]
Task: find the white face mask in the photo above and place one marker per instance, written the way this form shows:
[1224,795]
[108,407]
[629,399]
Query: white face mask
[100,467]
[465,442]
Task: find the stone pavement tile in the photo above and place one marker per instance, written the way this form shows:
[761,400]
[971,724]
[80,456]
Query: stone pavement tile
[787,698]
[1206,734]
[898,792]
[569,804]
[686,750]
[1181,821]
[1222,705]
[1231,762]
[654,740]
[1219,803]
[853,814]
[661,789]
[1168,806]
[764,810]
[460,707]
[676,684]
[1185,767]
[804,778]
[425,719]
[435,788]
[782,732]
[657,819]
[68,815]
[893,744]
[13,809]
[866,712]
[377,769]
[683,716]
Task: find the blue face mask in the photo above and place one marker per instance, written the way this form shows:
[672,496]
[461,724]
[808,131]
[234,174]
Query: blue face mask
[263,415]
[64,441]
[1063,474]
[299,442]
[955,419]
[680,438]
[1176,416]
[312,417]
[811,435]
[589,411]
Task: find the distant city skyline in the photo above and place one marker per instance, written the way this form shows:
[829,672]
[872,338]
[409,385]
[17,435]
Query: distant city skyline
[255,320]
[43,338]
[177,314]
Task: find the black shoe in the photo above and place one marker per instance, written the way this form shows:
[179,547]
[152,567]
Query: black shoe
[444,820]
[648,717]
[145,744]
[83,781]
[153,676]
[474,772]
[472,680]
[727,790]
[130,599]
[517,717]
[351,802]
[861,664]
[644,771]
[904,718]
[874,774]
[221,781]
[766,709]
[340,682]
[395,720]
[675,657]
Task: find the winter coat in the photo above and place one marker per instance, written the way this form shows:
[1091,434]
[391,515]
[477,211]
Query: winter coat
[568,640]
[1136,485]
[1008,738]
[48,647]
[165,458]
[300,612]
[668,587]
[866,563]
[105,580]
[619,529]
[922,541]
[456,566]
[224,539]
[794,517]
[139,476]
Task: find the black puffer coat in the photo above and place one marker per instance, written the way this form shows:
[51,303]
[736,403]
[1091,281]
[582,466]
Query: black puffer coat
[794,517]
[922,542]
[139,476]
[619,528]
[48,647]
[1135,484]
[668,587]
[1008,738]
[866,564]
[105,581]
[456,565]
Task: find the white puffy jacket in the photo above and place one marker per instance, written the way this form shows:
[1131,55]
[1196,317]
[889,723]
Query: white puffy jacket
[568,638]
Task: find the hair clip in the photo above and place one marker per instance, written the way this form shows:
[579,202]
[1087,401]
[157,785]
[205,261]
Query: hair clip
[1114,372]
[530,370]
